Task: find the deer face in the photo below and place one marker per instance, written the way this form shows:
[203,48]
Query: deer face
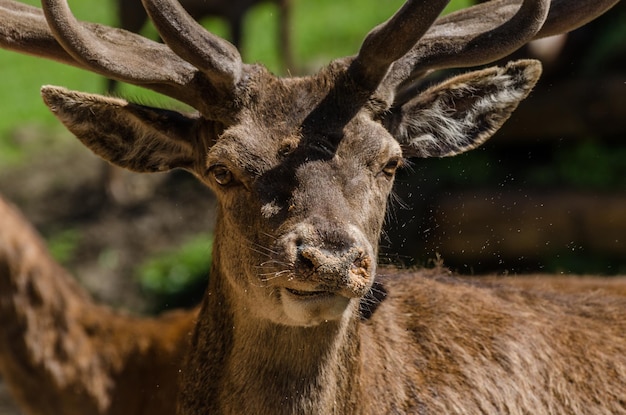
[301,206]
[302,171]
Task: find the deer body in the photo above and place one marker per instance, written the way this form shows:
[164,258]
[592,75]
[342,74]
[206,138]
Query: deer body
[63,354]
[297,317]
[423,342]
[434,345]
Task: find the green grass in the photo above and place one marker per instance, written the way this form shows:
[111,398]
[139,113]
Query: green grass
[22,77]
[321,30]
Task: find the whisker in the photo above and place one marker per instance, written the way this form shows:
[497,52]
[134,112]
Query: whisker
[274,275]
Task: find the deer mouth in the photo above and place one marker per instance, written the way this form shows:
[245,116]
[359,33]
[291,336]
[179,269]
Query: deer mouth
[310,294]
[312,307]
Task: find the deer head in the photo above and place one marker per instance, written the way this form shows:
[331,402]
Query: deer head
[302,167]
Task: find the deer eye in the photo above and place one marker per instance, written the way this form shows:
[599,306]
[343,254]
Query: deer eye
[221,174]
[390,168]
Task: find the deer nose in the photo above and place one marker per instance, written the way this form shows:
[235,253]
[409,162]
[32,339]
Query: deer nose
[348,271]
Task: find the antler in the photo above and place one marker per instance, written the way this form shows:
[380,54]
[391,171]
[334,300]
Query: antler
[392,39]
[470,37]
[125,56]
[567,15]
[24,29]
[474,36]
[214,56]
[198,64]
[106,51]
[115,53]
[478,34]
[487,32]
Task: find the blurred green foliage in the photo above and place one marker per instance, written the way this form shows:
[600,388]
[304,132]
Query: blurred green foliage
[593,164]
[63,244]
[586,164]
[177,278]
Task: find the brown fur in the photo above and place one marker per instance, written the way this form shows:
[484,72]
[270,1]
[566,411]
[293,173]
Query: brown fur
[472,346]
[297,317]
[63,354]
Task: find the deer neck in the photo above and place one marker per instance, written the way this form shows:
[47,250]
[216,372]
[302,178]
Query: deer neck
[243,364]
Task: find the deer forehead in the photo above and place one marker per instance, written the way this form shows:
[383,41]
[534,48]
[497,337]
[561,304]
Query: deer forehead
[291,173]
[276,124]
[257,146]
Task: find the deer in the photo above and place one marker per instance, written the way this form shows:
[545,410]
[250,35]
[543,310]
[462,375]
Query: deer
[298,317]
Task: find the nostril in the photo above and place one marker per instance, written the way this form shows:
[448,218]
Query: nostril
[361,262]
[361,267]
[306,259]
[311,257]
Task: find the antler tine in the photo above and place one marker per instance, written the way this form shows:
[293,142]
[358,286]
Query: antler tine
[218,59]
[392,39]
[114,53]
[566,16]
[26,30]
[474,36]
[98,50]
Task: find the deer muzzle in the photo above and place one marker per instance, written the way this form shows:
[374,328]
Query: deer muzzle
[328,258]
[347,273]
[325,277]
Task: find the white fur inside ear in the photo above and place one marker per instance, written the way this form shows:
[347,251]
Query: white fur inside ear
[463,112]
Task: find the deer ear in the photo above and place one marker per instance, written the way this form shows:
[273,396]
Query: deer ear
[461,113]
[135,137]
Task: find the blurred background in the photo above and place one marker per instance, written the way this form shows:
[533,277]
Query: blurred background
[546,194]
